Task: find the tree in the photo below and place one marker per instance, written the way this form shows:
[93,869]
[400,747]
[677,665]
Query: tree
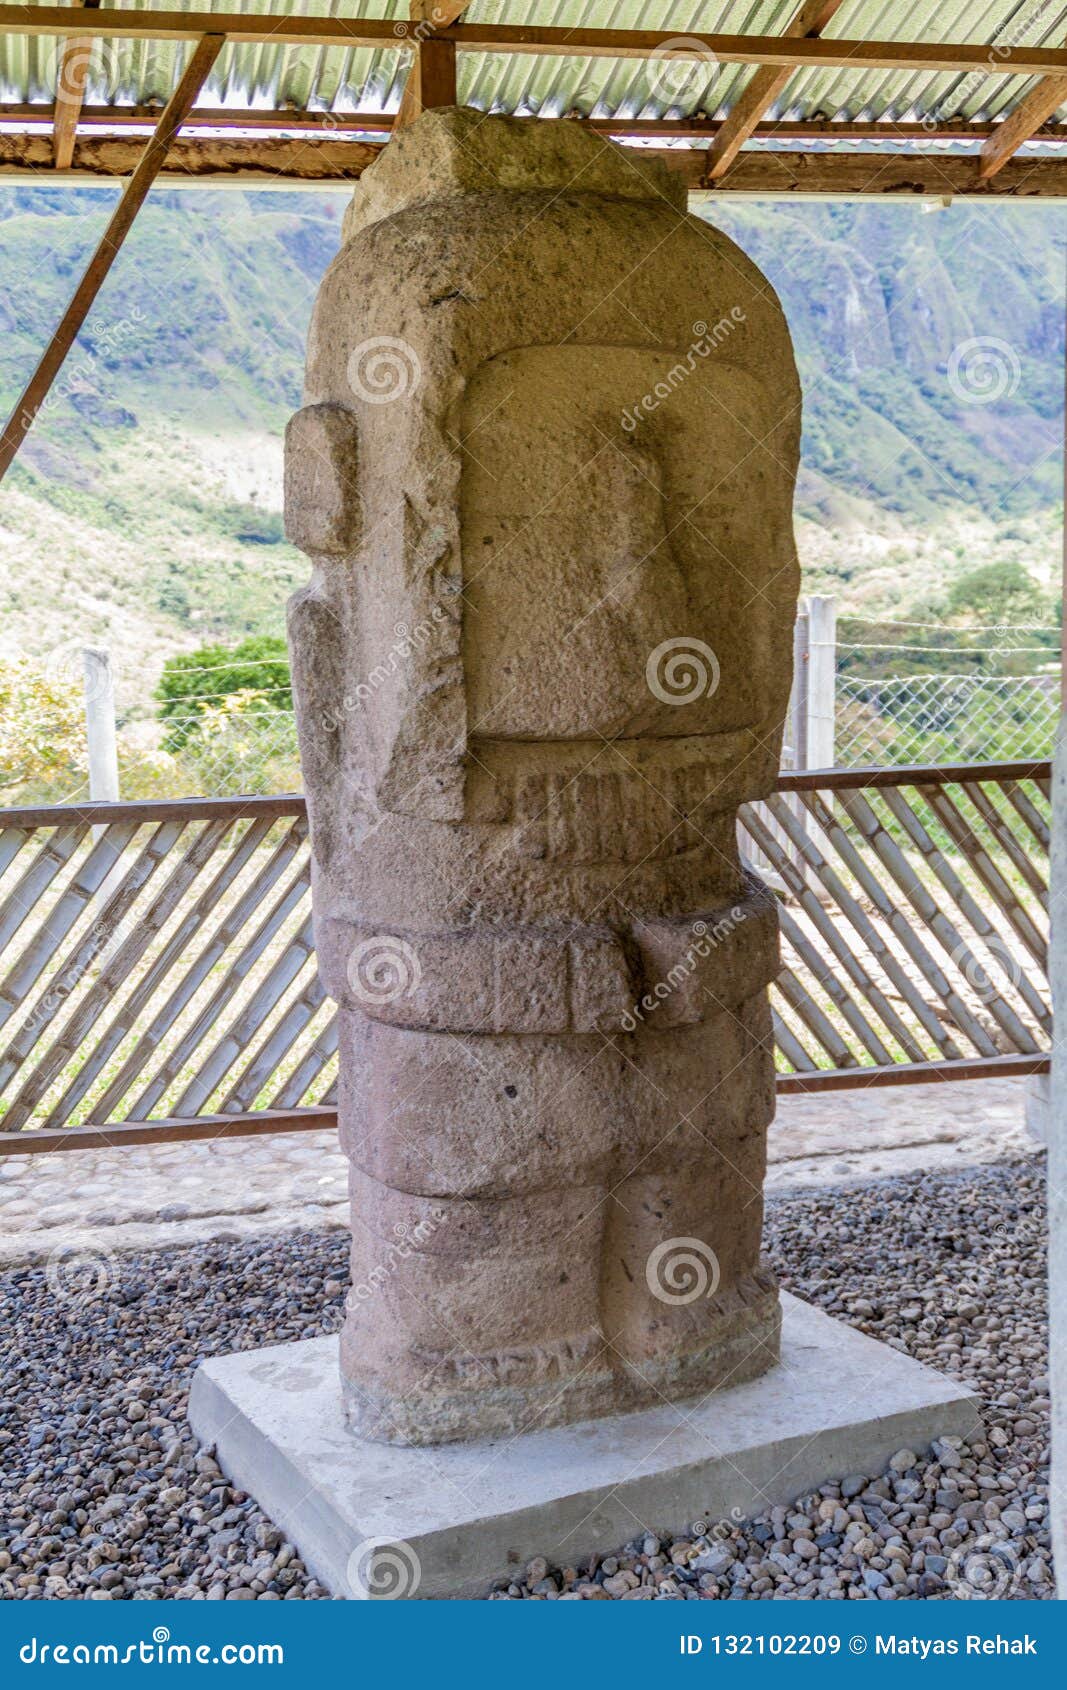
[238,746]
[194,684]
[998,595]
[43,750]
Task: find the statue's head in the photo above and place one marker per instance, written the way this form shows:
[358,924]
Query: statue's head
[544,473]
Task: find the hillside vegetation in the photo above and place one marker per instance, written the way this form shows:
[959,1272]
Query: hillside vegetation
[144,510]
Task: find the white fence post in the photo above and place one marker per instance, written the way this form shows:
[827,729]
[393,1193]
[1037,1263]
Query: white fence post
[822,682]
[100,724]
[797,719]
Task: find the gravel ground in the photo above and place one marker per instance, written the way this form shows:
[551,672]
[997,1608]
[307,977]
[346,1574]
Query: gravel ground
[105,1496]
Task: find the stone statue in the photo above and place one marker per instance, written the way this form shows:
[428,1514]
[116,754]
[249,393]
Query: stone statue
[544,475]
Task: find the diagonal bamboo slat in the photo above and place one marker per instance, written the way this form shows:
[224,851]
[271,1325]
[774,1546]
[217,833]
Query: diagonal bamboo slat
[157,970]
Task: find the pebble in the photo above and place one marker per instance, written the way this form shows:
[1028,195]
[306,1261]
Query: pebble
[108,1497]
[952,1249]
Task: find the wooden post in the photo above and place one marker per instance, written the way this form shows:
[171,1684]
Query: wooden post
[100,724]
[133,197]
[822,682]
[70,91]
[432,77]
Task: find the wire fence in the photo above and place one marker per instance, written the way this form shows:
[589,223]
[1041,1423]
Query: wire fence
[888,695]
[897,720]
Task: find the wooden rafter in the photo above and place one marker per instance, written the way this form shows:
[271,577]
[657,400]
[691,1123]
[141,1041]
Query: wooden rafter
[762,89]
[431,80]
[277,160]
[1022,124]
[148,166]
[276,29]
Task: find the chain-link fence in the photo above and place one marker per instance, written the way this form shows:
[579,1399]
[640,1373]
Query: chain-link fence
[874,693]
[220,723]
[913,719]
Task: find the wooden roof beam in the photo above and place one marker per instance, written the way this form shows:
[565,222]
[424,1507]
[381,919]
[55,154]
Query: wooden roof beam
[153,156]
[1022,124]
[762,89]
[279,162]
[284,29]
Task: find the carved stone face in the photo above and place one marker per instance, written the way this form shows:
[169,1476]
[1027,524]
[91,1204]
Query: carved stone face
[595,535]
[576,495]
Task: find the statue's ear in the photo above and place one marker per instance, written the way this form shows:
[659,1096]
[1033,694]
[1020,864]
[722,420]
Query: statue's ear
[323,509]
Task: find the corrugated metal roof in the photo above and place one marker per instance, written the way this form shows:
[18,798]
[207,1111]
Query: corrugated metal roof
[124,73]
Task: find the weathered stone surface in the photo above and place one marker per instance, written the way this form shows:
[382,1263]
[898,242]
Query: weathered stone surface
[544,475]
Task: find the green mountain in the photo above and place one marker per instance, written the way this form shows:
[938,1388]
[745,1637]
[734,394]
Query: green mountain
[931,348]
[144,509]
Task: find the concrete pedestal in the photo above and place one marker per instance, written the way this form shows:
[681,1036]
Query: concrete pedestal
[374,1519]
